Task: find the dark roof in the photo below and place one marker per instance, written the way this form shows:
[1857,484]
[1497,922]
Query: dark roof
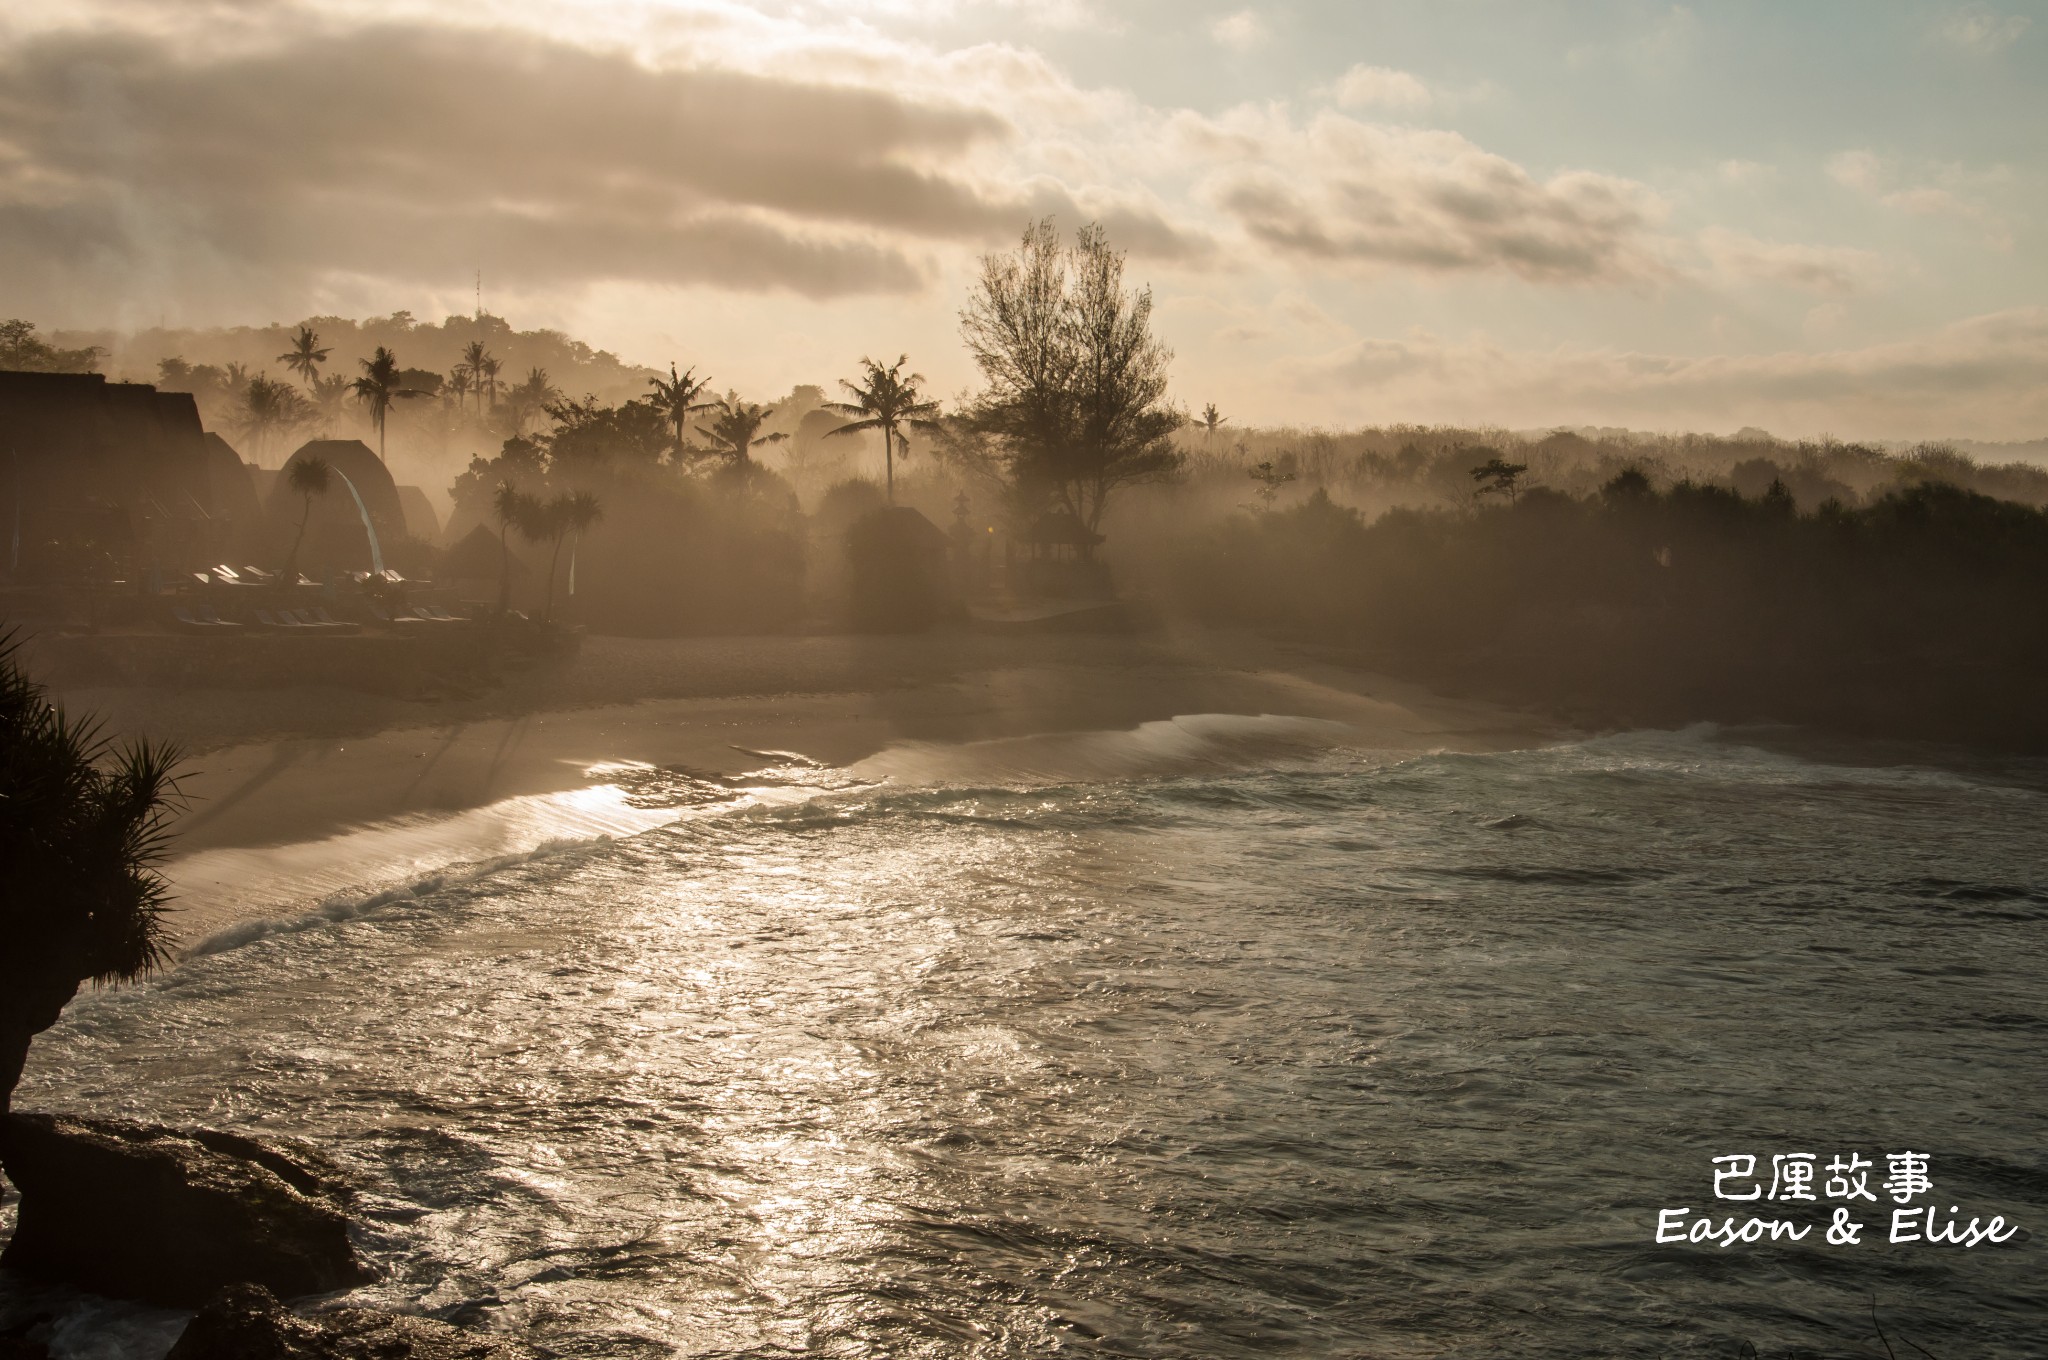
[478,556]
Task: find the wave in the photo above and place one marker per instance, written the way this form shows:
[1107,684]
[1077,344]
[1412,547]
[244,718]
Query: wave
[1187,744]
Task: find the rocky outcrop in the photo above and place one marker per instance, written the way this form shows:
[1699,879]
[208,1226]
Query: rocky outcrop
[172,1216]
[246,1323]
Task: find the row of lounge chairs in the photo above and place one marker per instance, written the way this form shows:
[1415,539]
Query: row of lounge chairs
[418,614]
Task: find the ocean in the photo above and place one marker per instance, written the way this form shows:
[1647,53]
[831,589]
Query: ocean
[1217,1038]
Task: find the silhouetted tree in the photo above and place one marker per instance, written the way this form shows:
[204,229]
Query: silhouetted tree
[379,387]
[889,402]
[513,508]
[530,398]
[309,477]
[460,381]
[1210,420]
[305,355]
[20,349]
[1498,477]
[551,522]
[81,830]
[1076,381]
[1270,480]
[269,407]
[677,399]
[736,432]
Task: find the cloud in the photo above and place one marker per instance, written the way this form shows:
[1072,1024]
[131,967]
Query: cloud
[1381,87]
[408,151]
[1243,30]
[1819,269]
[1340,192]
[1979,28]
[1977,378]
[1867,174]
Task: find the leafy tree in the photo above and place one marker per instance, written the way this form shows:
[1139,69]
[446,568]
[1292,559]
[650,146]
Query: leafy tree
[590,436]
[81,831]
[1498,477]
[379,387]
[309,477]
[889,402]
[21,350]
[677,399]
[305,355]
[1076,381]
[737,431]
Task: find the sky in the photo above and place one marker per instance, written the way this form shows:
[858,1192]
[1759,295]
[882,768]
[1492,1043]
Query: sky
[1819,219]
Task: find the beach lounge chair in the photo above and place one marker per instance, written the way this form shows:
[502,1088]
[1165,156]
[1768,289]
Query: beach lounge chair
[265,619]
[338,625]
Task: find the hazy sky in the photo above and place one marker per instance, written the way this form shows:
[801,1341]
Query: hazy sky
[1815,217]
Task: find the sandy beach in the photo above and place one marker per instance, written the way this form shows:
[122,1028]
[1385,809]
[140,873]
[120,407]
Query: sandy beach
[281,783]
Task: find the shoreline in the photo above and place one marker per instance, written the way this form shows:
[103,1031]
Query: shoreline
[273,774]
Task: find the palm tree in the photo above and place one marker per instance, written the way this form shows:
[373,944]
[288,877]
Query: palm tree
[460,380]
[532,395]
[1210,420]
[552,522]
[514,509]
[474,357]
[268,406]
[328,395]
[305,356]
[487,370]
[378,388]
[308,478]
[677,399]
[888,403]
[81,834]
[736,432]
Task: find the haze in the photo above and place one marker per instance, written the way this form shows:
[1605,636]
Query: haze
[1821,220]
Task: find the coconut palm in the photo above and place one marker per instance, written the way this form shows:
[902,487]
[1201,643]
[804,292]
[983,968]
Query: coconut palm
[530,397]
[309,477]
[269,406]
[379,387]
[1210,421]
[487,370]
[329,393]
[474,357]
[551,522]
[677,399]
[737,431]
[81,831]
[305,356]
[460,381]
[889,402]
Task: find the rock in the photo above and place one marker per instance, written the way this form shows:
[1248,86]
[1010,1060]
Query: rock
[171,1216]
[246,1323]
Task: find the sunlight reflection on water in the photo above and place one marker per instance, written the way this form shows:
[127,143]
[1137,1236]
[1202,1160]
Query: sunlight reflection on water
[1311,1052]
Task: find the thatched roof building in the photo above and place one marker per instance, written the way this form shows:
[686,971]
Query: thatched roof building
[118,472]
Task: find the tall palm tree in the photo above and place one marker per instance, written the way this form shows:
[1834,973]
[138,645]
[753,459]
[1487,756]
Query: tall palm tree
[378,388]
[308,478]
[474,357]
[81,834]
[305,356]
[888,403]
[1210,420]
[487,370]
[460,381]
[677,399]
[737,431]
[329,393]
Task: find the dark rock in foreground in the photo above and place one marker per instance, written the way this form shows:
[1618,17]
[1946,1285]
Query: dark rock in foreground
[171,1216]
[246,1323]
